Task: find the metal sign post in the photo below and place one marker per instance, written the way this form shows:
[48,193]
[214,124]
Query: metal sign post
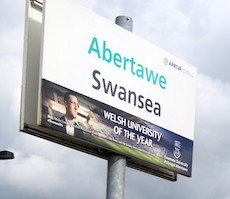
[116,177]
[117,163]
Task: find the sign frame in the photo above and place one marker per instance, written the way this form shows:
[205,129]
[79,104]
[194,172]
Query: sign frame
[30,100]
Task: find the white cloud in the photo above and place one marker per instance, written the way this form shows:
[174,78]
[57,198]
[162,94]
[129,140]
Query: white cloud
[11,13]
[213,101]
[34,174]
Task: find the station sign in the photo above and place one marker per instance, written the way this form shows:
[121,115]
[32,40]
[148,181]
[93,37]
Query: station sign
[103,87]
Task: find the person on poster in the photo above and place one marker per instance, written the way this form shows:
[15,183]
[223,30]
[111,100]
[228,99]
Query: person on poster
[69,120]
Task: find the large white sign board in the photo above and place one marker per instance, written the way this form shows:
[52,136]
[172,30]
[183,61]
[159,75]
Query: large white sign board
[133,97]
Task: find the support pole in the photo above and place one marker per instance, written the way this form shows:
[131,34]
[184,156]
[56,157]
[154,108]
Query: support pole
[116,177]
[125,22]
[117,163]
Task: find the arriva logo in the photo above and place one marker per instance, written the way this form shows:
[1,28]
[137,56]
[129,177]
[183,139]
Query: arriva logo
[167,62]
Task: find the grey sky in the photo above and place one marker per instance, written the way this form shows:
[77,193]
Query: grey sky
[196,31]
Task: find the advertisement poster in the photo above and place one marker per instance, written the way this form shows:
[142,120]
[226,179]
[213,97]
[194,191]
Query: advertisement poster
[76,115]
[110,88]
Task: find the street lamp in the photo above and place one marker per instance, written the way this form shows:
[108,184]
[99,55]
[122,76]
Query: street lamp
[6,155]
